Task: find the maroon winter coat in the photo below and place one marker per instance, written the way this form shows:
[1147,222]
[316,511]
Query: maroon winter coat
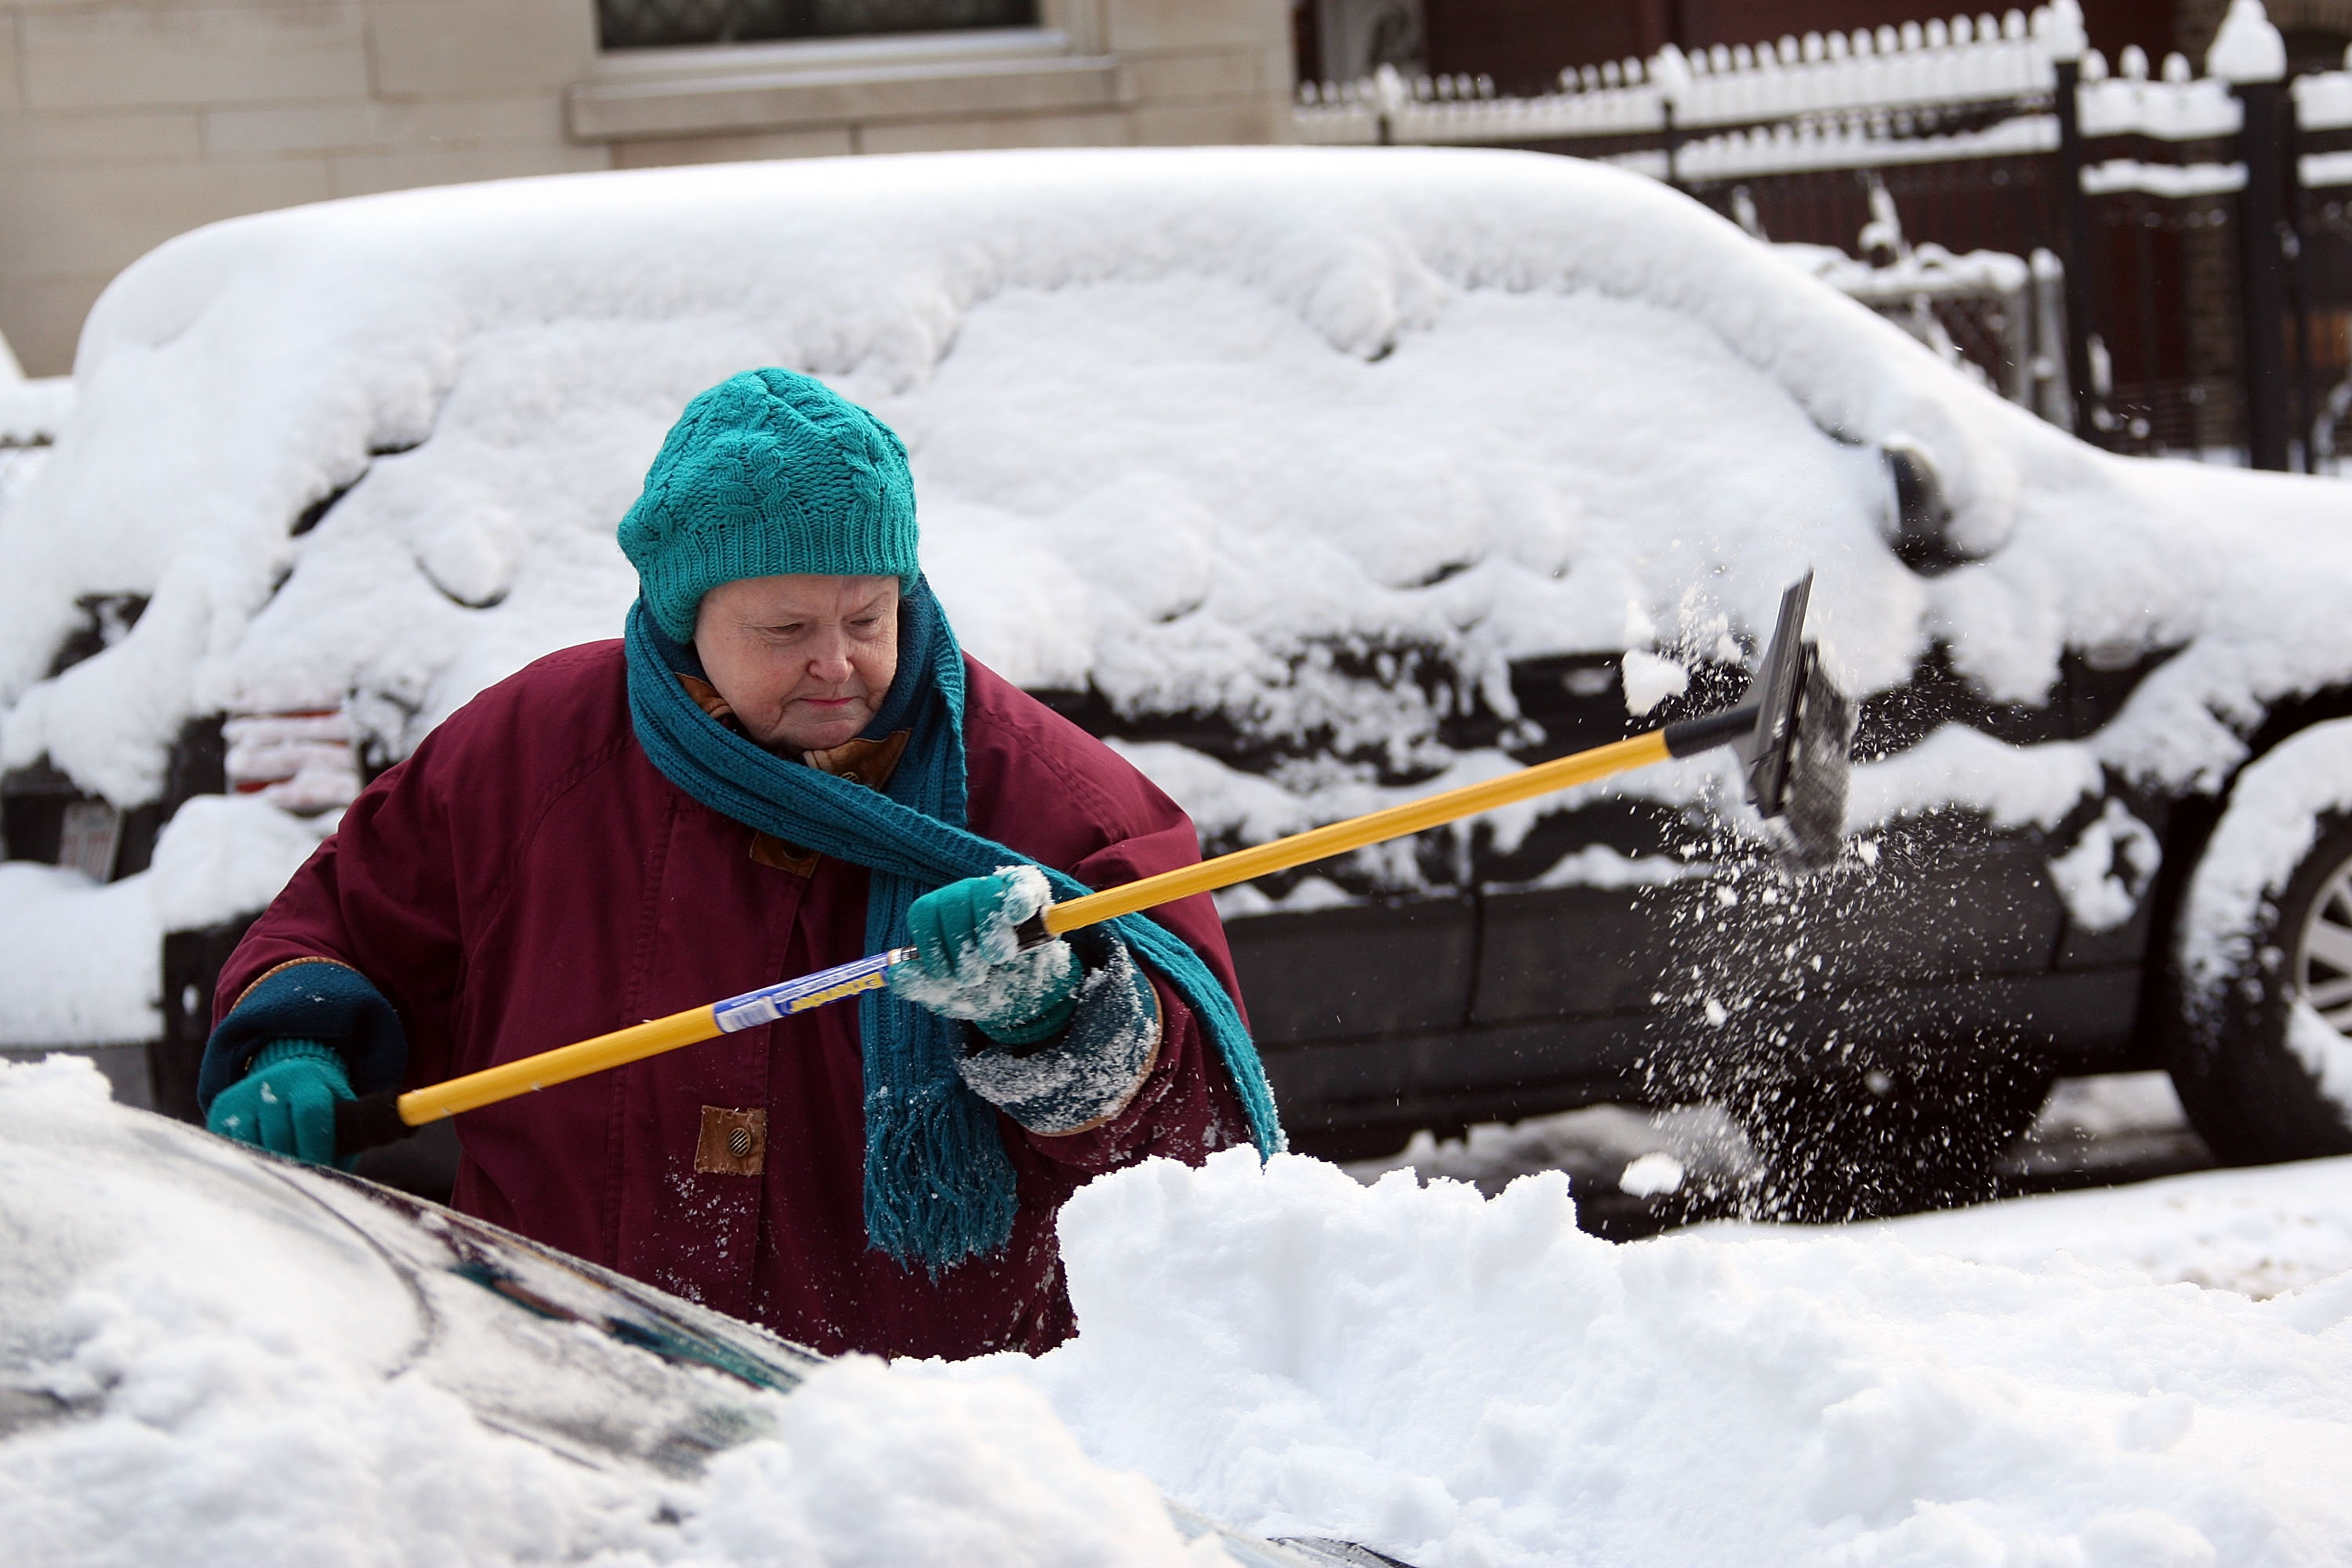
[528,879]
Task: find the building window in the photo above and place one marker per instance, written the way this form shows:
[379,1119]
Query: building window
[658,24]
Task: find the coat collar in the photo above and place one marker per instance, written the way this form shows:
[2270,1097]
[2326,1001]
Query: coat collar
[861,760]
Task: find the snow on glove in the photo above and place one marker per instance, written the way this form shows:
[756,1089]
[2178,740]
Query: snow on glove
[286,1103]
[1093,1071]
[968,965]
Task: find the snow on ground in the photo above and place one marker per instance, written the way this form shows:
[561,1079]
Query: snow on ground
[1460,1380]
[2123,1125]
[1455,1379]
[2257,1233]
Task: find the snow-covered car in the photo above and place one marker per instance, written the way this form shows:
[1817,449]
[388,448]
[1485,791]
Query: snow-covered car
[1312,480]
[209,1354]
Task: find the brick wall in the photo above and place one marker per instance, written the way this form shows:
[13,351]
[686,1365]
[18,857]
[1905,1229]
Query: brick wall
[123,122]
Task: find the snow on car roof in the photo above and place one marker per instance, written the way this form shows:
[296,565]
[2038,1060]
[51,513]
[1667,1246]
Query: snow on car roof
[1205,430]
[1176,419]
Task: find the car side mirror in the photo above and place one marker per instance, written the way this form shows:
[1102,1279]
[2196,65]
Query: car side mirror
[1921,518]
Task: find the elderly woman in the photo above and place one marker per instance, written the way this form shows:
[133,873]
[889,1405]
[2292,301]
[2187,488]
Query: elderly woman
[786,762]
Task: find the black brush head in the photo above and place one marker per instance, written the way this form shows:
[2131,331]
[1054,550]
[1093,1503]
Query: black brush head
[1793,732]
[1810,831]
[1775,695]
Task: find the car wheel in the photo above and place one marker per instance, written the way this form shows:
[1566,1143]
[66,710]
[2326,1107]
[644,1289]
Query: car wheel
[2264,1064]
[1891,1131]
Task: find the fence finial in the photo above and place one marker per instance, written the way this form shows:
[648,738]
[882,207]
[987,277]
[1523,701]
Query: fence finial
[1671,73]
[2248,49]
[2059,25]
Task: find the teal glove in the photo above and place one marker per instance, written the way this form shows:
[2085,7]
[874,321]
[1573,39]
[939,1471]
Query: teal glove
[286,1102]
[968,964]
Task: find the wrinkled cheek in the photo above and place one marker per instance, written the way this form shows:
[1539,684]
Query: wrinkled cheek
[878,668]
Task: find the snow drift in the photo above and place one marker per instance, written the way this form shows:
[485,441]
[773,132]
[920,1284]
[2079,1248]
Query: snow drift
[1464,1381]
[1454,1380]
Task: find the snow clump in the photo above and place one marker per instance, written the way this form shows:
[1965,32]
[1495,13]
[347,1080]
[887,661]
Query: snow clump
[1455,1380]
[83,966]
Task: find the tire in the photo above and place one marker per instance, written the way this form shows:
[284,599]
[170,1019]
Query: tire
[1891,1131]
[2249,1093]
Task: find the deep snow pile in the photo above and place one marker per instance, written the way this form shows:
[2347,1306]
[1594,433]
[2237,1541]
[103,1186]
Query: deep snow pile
[1464,1381]
[1457,1380]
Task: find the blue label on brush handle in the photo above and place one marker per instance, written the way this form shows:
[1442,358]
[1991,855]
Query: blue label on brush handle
[770,1002]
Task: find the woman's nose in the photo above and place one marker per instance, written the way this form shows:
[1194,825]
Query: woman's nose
[829,661]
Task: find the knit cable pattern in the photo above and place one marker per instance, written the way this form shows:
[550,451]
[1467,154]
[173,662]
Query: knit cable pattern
[768,474]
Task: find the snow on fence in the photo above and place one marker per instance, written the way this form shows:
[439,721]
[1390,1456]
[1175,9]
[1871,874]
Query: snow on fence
[2323,103]
[1971,114]
[2016,300]
[1890,69]
[1838,100]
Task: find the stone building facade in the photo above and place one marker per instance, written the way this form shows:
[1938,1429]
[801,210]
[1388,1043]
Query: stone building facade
[123,122]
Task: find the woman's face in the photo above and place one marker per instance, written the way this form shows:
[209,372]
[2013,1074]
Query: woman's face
[804,661]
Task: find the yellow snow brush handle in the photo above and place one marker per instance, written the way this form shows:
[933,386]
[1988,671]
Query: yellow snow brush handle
[621,1046]
[361,1119]
[1375,827]
[1790,716]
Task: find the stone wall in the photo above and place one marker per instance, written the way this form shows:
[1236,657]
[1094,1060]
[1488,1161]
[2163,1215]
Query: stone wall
[123,122]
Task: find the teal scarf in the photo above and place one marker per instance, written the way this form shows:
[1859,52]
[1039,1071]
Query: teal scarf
[938,1186]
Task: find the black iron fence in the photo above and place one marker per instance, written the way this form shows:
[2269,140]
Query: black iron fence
[2198,230]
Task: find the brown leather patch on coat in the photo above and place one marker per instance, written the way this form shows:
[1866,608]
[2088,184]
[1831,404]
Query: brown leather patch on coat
[767,849]
[867,763]
[733,1142]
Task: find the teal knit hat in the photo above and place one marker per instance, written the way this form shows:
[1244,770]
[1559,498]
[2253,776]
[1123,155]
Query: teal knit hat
[768,473]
